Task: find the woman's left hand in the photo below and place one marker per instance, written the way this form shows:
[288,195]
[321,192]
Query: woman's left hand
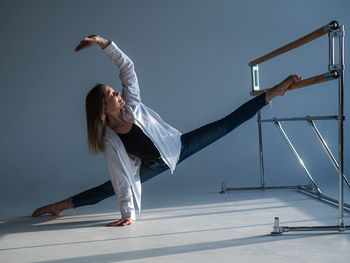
[92,40]
[122,222]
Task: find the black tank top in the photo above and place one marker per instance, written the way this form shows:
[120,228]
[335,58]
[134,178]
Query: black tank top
[137,143]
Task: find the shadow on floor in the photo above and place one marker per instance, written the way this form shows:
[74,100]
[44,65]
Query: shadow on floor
[229,204]
[180,249]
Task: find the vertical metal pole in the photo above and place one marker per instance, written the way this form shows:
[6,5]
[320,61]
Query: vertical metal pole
[341,138]
[262,177]
[331,51]
[255,87]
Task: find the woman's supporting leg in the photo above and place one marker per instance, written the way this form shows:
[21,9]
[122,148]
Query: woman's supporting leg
[103,191]
[198,139]
[192,142]
[93,195]
[54,209]
[97,194]
[88,197]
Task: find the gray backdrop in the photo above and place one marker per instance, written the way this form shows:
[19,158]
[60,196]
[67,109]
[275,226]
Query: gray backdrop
[191,58]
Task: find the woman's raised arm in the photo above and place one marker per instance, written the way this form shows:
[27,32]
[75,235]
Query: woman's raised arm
[92,40]
[131,90]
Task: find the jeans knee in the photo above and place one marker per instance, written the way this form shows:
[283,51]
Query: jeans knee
[107,187]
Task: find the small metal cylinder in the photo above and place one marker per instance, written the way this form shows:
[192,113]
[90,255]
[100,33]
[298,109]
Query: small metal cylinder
[223,188]
[276,230]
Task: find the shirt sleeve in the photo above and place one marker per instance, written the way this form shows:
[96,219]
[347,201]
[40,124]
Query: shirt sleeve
[120,182]
[128,77]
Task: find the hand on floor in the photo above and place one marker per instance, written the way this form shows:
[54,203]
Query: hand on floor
[122,222]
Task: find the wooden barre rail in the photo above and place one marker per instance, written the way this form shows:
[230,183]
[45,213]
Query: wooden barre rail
[299,42]
[306,82]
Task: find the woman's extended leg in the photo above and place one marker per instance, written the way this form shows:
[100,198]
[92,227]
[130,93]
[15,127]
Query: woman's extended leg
[198,139]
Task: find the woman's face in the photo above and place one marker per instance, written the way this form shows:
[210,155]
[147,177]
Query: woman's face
[114,102]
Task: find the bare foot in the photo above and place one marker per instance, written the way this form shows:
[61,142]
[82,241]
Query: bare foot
[281,88]
[122,222]
[53,209]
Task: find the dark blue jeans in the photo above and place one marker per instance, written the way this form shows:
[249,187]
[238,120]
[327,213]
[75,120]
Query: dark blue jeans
[192,142]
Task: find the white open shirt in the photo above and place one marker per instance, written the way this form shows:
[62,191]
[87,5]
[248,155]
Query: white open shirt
[124,169]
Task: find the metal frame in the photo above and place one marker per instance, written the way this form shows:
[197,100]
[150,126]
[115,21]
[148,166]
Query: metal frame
[336,71]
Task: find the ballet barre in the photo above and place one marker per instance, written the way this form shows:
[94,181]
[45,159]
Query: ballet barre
[307,82]
[335,31]
[334,25]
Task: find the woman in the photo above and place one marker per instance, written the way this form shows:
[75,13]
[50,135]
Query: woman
[137,144]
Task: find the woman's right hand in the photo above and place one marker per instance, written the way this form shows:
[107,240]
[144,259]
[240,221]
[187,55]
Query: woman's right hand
[92,40]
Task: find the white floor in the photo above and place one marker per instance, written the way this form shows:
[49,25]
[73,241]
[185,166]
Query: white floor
[199,226]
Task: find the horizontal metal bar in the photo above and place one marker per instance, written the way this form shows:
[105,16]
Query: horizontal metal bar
[304,189]
[315,228]
[306,82]
[299,42]
[332,117]
[279,230]
[324,198]
[293,187]
[283,229]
